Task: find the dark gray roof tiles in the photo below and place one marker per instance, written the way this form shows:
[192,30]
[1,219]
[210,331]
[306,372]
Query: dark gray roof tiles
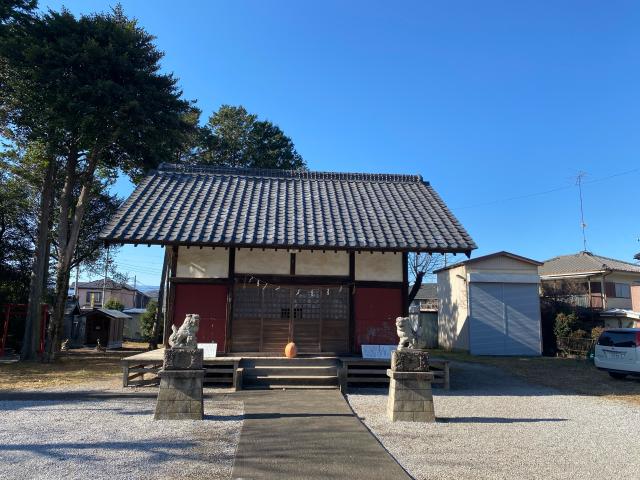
[210,206]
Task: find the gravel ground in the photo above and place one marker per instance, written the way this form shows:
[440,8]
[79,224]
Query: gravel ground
[494,426]
[114,438]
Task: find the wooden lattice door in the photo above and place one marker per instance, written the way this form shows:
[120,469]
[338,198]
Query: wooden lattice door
[315,318]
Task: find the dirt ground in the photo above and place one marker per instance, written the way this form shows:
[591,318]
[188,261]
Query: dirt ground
[564,374]
[68,370]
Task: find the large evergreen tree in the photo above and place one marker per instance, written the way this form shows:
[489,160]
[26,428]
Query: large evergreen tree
[235,138]
[91,90]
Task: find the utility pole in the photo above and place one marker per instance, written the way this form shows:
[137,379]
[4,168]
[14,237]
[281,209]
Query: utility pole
[75,288]
[104,281]
[135,291]
[583,225]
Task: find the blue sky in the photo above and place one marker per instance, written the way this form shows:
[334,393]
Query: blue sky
[498,104]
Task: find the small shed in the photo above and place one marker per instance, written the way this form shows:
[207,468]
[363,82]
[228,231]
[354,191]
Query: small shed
[106,325]
[490,305]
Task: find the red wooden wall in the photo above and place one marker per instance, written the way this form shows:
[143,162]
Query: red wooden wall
[375,312]
[208,301]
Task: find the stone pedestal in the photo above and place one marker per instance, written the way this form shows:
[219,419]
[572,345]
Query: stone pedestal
[181,358]
[180,393]
[410,398]
[410,360]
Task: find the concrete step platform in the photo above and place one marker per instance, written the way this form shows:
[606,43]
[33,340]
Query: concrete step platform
[290,370]
[269,381]
[289,362]
[274,386]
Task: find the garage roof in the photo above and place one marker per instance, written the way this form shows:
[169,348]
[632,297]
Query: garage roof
[486,257]
[219,206]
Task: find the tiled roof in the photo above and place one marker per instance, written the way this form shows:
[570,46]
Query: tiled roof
[111,313]
[584,262]
[427,291]
[109,285]
[293,209]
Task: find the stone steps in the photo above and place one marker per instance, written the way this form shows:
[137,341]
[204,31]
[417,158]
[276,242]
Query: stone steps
[276,373]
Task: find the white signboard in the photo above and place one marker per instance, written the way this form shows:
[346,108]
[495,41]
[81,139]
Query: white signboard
[210,349]
[381,352]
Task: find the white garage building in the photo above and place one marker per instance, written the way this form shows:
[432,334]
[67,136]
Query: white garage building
[490,305]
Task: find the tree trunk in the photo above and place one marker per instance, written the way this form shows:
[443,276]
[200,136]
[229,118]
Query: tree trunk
[65,257]
[39,268]
[416,286]
[153,342]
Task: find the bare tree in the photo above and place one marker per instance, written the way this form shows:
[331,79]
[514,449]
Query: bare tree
[421,265]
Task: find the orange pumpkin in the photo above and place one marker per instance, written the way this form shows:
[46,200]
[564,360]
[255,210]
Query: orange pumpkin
[290,351]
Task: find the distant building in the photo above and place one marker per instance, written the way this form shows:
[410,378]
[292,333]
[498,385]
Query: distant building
[133,325]
[591,281]
[89,294]
[427,297]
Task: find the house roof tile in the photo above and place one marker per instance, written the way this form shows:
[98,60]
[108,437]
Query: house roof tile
[584,262]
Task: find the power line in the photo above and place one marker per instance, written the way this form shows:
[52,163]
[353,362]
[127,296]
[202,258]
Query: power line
[545,192]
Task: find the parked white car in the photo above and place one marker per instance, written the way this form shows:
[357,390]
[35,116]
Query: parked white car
[618,352]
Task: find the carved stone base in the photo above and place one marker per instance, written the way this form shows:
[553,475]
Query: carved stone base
[410,360]
[410,398]
[183,358]
[180,395]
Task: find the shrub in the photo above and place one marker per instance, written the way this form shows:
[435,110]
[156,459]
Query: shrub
[565,324]
[147,320]
[596,332]
[579,334]
[114,304]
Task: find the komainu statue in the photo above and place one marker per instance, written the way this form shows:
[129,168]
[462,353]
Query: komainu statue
[410,331]
[185,336]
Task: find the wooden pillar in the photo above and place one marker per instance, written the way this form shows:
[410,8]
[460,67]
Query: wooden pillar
[603,292]
[292,264]
[352,299]
[231,274]
[168,318]
[405,284]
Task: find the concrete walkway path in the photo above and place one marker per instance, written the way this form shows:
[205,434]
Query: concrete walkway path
[307,434]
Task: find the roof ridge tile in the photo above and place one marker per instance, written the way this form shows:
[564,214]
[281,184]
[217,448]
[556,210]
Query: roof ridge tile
[293,174]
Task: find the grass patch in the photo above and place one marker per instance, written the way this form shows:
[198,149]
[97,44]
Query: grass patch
[564,374]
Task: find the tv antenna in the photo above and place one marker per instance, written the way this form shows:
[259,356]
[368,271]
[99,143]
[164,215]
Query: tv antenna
[583,225]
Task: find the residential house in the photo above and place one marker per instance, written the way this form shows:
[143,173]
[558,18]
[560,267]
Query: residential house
[89,294]
[266,257]
[592,281]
